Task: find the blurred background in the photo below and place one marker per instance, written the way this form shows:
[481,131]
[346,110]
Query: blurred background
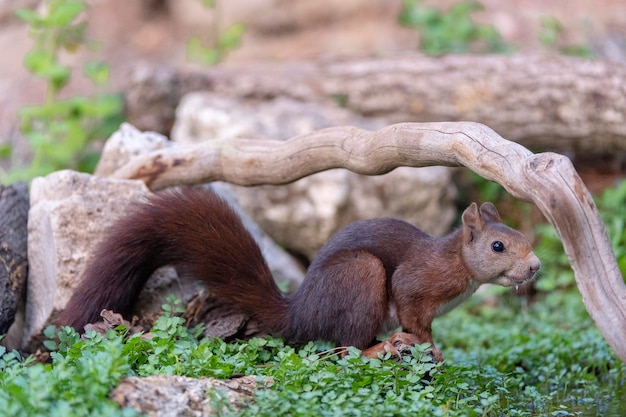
[122,35]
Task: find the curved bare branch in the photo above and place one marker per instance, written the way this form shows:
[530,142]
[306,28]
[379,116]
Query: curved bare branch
[548,180]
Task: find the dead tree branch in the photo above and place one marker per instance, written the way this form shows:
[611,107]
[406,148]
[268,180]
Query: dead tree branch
[540,101]
[546,179]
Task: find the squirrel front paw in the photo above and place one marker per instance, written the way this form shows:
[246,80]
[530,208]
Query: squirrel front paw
[399,344]
[402,342]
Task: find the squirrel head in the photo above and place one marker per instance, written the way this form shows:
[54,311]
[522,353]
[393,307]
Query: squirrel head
[494,252]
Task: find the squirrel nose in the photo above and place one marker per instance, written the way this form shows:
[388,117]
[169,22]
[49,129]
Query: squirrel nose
[535,266]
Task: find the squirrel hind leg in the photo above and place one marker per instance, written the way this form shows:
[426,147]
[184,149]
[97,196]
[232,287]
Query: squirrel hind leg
[354,303]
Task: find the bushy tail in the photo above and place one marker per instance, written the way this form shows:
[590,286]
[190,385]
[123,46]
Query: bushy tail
[192,229]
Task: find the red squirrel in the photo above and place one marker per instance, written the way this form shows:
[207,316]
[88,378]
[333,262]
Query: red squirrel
[370,275]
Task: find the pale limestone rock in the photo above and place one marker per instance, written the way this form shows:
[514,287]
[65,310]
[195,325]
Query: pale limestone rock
[173,396]
[303,215]
[68,214]
[201,117]
[126,143]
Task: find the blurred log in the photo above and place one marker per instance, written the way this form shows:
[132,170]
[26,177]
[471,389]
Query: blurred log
[540,101]
[546,179]
[13,251]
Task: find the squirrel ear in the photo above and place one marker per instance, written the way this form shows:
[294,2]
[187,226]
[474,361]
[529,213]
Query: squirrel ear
[489,213]
[472,222]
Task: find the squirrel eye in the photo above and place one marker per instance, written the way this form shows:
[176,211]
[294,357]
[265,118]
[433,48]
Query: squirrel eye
[497,246]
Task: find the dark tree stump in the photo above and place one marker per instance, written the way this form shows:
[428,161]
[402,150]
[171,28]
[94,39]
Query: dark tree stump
[14,207]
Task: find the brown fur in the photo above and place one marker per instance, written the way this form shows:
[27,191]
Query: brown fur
[194,230]
[361,276]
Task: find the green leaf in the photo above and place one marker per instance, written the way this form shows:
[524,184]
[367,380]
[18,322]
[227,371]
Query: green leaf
[88,163]
[72,37]
[97,71]
[38,61]
[29,16]
[451,31]
[231,37]
[199,53]
[63,12]
[463,9]
[6,150]
[551,29]
[106,105]
[44,65]
[58,75]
